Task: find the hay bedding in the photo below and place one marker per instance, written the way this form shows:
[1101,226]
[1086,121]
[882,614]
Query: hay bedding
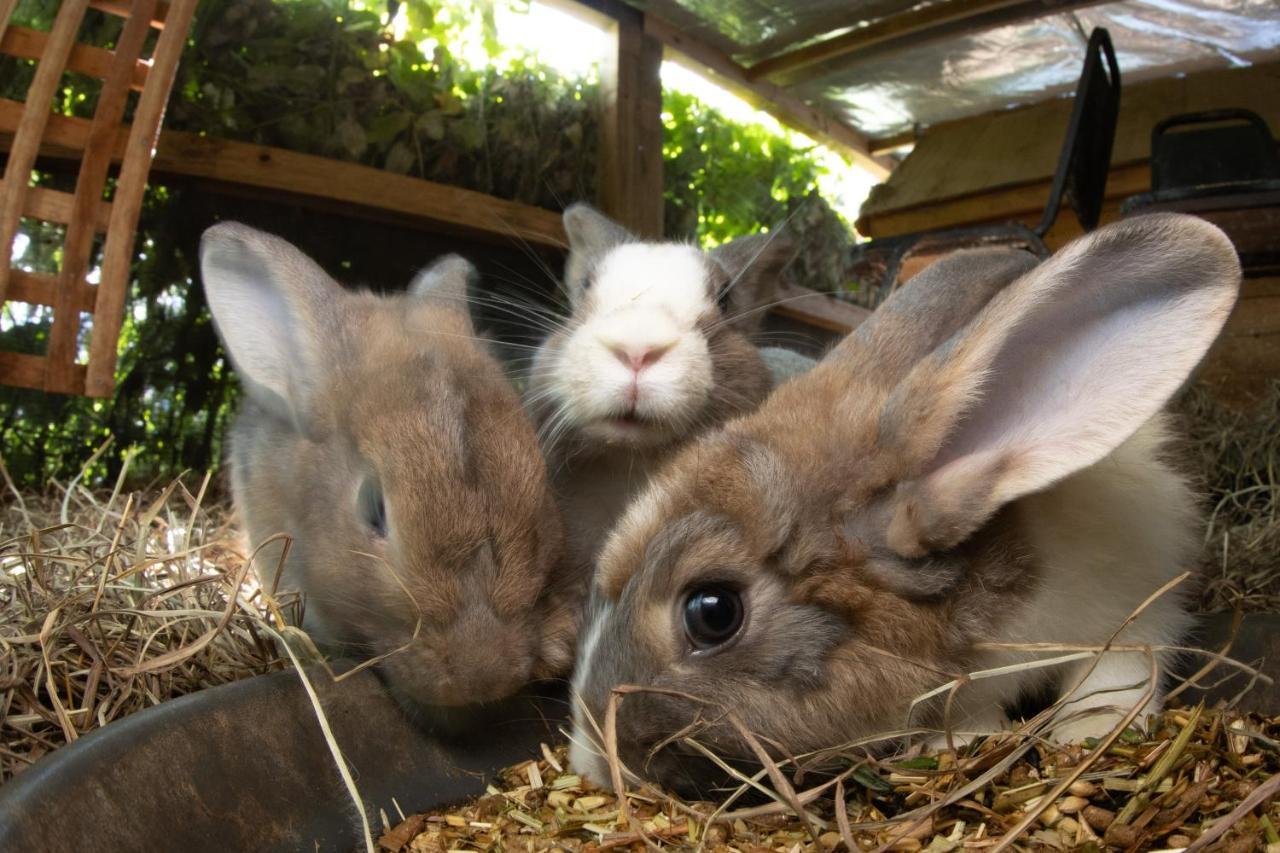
[1201,780]
[114,601]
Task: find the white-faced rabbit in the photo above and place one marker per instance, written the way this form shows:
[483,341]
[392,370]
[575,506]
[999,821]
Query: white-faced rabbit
[819,564]
[654,353]
[379,436]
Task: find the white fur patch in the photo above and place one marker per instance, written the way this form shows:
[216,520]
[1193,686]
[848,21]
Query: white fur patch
[644,299]
[584,749]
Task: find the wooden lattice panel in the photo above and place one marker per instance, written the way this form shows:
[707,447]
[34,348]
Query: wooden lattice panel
[99,142]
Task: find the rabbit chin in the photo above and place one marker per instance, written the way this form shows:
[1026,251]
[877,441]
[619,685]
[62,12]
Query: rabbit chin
[649,424]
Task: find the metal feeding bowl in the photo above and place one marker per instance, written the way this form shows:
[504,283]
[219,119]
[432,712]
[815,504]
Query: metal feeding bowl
[245,766]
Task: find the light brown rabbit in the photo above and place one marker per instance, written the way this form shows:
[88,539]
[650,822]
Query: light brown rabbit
[653,353]
[820,564]
[379,435]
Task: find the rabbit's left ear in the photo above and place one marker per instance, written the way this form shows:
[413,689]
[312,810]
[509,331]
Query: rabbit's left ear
[444,283]
[753,267]
[1055,373]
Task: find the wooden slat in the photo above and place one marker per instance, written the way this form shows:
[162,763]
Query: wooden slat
[57,206]
[41,289]
[6,11]
[905,31]
[631,129]
[124,8]
[30,128]
[90,184]
[278,173]
[28,371]
[117,257]
[63,135]
[84,59]
[996,206]
[819,309]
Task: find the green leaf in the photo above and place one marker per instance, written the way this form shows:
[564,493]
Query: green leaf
[868,778]
[385,128]
[351,138]
[400,159]
[431,125]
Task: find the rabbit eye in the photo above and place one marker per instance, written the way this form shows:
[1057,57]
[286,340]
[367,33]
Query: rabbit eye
[372,507]
[712,615]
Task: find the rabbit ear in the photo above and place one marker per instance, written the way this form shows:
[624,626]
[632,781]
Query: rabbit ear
[1055,373]
[926,310]
[445,283]
[753,268]
[277,312]
[591,236]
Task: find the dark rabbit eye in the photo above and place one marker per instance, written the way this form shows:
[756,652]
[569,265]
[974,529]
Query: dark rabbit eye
[372,507]
[712,615]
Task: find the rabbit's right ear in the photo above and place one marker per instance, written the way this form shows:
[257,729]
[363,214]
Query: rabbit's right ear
[1058,370]
[929,308]
[277,313]
[591,236]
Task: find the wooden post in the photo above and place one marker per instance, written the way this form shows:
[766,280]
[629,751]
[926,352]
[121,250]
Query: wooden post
[631,133]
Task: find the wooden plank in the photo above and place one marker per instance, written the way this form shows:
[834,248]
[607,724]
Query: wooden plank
[27,371]
[6,11]
[275,172]
[124,8]
[42,289]
[91,61]
[30,128]
[1009,203]
[631,129]
[117,255]
[819,309]
[362,187]
[90,183]
[57,206]
[64,136]
[917,26]
[1246,358]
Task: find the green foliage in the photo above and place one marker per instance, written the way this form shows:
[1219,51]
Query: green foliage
[324,77]
[329,77]
[725,179]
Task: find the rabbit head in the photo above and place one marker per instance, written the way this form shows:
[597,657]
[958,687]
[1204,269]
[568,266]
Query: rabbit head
[389,447]
[654,349]
[819,564]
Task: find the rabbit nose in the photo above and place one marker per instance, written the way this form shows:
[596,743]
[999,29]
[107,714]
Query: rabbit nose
[639,356]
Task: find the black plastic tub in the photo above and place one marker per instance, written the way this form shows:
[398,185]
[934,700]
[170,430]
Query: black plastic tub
[245,766]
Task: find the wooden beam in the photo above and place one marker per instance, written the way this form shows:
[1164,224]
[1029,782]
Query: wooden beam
[710,61]
[885,144]
[275,173]
[763,95]
[631,131]
[904,31]
[91,61]
[819,309]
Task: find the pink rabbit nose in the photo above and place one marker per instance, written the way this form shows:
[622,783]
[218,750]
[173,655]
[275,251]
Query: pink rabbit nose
[638,357]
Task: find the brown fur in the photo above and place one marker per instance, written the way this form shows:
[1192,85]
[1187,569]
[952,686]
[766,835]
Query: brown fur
[471,558]
[869,576]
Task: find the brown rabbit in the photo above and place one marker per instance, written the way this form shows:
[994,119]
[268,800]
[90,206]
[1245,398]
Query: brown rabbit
[820,564]
[379,435]
[653,353]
